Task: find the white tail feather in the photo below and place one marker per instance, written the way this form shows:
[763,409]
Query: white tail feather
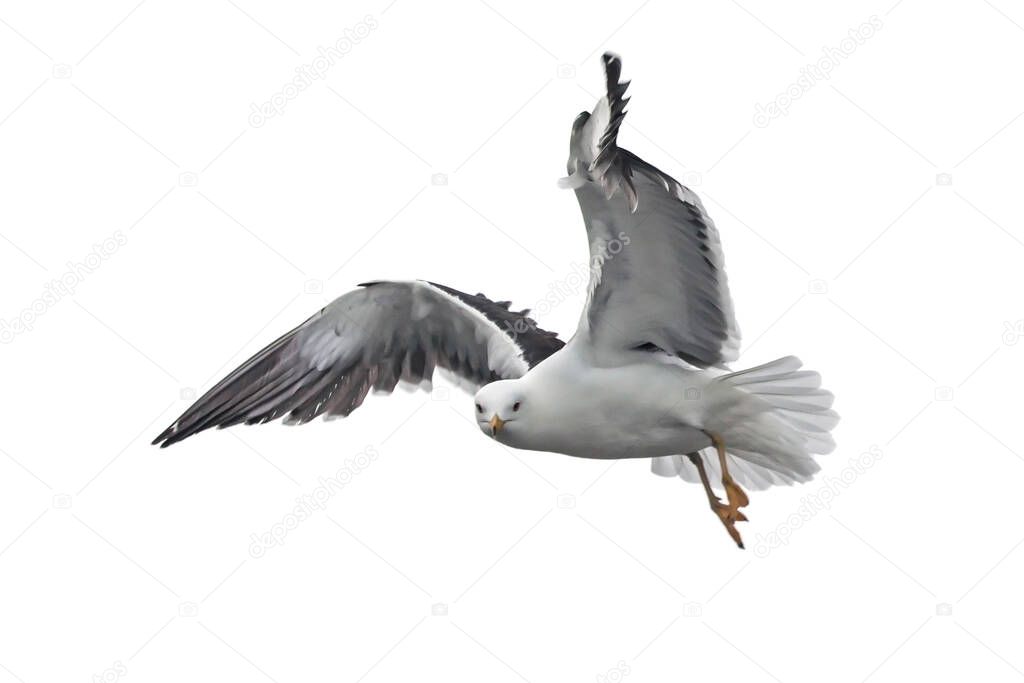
[770,440]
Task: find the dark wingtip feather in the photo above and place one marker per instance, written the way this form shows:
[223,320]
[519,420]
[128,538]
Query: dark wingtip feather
[612,68]
[164,436]
[232,396]
[609,166]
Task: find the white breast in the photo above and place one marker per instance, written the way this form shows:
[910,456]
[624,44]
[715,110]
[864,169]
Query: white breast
[636,409]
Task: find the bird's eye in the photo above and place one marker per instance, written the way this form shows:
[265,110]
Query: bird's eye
[515,406]
[479,408]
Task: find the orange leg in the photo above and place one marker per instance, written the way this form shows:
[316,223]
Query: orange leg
[728,513]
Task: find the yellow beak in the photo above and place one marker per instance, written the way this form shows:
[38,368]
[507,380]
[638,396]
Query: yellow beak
[496,424]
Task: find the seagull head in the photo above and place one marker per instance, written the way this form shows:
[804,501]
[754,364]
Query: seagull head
[497,405]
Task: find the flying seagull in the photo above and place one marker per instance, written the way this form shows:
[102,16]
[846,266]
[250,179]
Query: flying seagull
[644,376]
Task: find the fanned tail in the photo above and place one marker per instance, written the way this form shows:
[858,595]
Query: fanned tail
[770,440]
[796,398]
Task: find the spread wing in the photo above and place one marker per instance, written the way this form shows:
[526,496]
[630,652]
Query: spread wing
[371,338]
[657,270]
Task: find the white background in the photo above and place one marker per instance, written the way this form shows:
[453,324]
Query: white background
[875,229]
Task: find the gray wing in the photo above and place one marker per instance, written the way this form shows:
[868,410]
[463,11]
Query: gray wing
[657,270]
[371,338]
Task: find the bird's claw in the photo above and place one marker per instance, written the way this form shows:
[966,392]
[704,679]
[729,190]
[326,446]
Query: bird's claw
[729,514]
[737,496]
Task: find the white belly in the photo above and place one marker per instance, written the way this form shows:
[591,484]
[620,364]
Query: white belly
[638,410]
